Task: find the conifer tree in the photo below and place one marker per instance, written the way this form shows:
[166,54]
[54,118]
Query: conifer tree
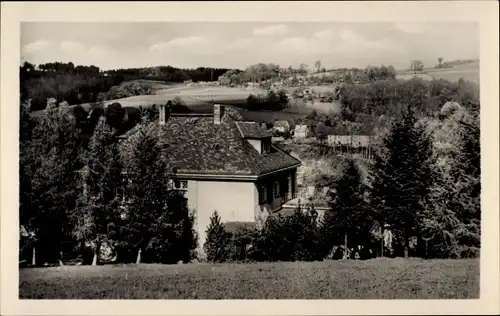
[97,212]
[348,217]
[48,165]
[217,243]
[403,177]
[157,222]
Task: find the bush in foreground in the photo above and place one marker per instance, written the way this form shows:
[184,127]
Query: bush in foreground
[288,238]
[283,238]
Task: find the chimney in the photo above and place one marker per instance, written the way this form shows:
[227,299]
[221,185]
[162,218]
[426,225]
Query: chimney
[162,117]
[218,113]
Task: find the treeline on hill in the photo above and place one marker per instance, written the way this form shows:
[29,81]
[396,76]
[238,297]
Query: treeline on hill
[453,63]
[121,119]
[89,84]
[265,74]
[410,205]
[357,75]
[170,74]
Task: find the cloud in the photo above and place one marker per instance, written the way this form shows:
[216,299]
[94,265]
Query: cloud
[97,52]
[413,27]
[342,44]
[354,43]
[324,34]
[71,46]
[240,43]
[271,30]
[179,42]
[36,46]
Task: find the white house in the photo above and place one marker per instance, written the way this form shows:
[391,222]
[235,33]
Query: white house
[226,165]
[282,126]
[300,131]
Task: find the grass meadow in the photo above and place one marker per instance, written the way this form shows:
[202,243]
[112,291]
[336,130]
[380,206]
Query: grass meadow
[370,279]
[469,72]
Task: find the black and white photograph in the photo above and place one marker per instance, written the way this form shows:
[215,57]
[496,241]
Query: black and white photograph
[238,160]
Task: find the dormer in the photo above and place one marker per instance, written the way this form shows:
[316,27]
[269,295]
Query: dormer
[256,135]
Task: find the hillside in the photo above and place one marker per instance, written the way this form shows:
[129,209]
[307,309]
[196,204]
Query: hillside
[192,94]
[469,72]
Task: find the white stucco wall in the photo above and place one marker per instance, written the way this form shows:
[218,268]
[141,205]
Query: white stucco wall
[234,201]
[256,143]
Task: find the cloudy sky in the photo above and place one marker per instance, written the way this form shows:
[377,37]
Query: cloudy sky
[120,45]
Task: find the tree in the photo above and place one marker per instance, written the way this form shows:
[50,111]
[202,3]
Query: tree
[157,222]
[321,132]
[115,115]
[417,65]
[28,238]
[451,220]
[317,64]
[348,219]
[272,101]
[254,102]
[403,177]
[303,69]
[48,165]
[96,216]
[177,101]
[440,61]
[283,98]
[218,241]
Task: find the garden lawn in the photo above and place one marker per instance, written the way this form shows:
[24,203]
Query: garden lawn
[372,279]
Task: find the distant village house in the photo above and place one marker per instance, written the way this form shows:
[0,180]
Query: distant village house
[301,132]
[283,126]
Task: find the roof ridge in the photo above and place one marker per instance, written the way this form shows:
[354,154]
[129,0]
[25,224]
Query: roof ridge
[191,114]
[239,129]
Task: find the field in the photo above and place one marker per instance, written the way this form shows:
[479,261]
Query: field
[371,279]
[194,95]
[469,72]
[316,89]
[199,98]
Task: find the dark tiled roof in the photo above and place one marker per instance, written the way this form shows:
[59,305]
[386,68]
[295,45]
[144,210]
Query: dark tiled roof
[194,145]
[252,130]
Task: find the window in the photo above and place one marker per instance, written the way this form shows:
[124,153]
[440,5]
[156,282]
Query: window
[262,193]
[276,189]
[180,184]
[177,185]
[266,146]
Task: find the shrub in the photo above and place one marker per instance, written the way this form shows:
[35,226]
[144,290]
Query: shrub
[177,101]
[289,238]
[242,244]
[254,102]
[217,245]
